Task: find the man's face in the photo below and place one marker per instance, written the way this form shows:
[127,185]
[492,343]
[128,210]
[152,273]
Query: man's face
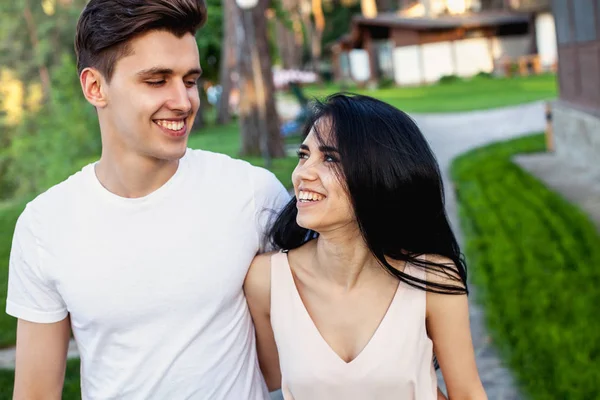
[152,98]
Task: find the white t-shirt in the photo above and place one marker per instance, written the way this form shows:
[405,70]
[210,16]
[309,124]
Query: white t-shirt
[153,285]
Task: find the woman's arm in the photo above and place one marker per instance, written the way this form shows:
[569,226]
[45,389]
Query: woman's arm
[257,288]
[449,328]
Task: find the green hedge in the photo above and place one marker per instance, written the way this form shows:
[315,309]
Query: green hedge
[535,259]
[71,390]
[9,212]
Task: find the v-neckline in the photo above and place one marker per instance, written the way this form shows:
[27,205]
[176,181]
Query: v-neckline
[318,333]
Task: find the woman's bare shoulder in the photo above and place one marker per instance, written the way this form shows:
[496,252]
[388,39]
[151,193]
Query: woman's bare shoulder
[257,285]
[442,270]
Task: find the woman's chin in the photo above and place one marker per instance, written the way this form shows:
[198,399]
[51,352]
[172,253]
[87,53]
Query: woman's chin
[307,223]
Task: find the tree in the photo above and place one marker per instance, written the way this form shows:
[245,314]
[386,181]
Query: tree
[228,62]
[493,4]
[209,47]
[34,35]
[290,37]
[57,129]
[259,122]
[317,37]
[368,8]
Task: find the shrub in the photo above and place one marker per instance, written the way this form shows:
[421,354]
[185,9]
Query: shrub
[536,260]
[449,79]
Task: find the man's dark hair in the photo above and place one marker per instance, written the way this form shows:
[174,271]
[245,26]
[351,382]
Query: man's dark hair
[105,27]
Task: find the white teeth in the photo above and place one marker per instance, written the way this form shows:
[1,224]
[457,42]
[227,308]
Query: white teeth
[171,125]
[310,196]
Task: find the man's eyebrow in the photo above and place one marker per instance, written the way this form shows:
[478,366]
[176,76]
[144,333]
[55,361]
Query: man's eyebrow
[167,71]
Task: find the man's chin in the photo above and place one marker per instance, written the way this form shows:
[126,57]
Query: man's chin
[171,152]
[176,154]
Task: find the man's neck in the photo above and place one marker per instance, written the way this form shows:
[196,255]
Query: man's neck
[133,176]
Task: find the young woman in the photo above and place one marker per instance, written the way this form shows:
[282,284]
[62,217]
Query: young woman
[370,282]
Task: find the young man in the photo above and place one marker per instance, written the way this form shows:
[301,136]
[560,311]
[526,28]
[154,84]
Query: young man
[142,254]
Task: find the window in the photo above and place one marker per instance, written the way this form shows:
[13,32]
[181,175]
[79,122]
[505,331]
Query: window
[585,20]
[560,9]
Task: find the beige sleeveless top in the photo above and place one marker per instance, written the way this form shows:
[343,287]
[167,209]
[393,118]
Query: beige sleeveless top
[396,364]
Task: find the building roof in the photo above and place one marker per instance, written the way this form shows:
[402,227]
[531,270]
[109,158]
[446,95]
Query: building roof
[474,20]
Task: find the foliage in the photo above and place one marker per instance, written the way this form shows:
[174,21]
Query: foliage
[535,259]
[48,145]
[226,139]
[449,79]
[385,83]
[463,95]
[71,389]
[484,74]
[338,19]
[9,212]
[23,47]
[209,39]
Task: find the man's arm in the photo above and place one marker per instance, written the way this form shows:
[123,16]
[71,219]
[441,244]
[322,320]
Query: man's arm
[43,321]
[41,358]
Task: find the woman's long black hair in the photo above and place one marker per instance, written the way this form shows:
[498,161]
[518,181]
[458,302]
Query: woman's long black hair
[394,184]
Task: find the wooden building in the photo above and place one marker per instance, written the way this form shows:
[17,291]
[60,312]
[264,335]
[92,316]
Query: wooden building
[576,115]
[414,46]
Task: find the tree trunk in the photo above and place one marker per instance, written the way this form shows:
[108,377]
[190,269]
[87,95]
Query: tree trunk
[258,114]
[200,121]
[43,72]
[290,40]
[289,50]
[368,8]
[386,5]
[309,28]
[317,34]
[228,61]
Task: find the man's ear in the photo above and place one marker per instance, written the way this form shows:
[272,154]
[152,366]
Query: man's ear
[93,86]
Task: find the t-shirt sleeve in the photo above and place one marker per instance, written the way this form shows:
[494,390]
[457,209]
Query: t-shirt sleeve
[270,197]
[31,296]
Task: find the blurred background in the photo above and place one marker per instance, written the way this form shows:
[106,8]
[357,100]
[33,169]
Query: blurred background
[520,157]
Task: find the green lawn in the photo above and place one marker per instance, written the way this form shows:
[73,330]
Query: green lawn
[222,139]
[535,260]
[456,96]
[462,95]
[71,390]
[9,212]
[225,139]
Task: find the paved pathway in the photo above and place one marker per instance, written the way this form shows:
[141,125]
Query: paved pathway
[450,135]
[579,185]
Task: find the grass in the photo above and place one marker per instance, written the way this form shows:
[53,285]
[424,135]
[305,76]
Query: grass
[226,139]
[461,95]
[456,96]
[9,212]
[223,139]
[535,260]
[71,389]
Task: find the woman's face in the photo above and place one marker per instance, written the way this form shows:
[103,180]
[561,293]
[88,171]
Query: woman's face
[322,201]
